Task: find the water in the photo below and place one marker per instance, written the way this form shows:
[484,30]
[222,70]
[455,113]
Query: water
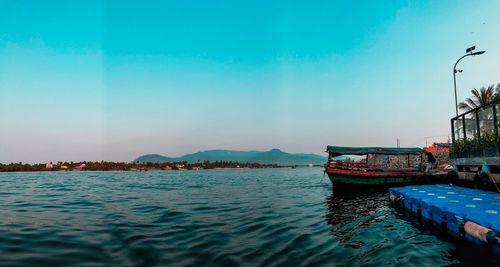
[259,217]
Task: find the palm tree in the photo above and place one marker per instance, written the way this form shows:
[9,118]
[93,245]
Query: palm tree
[480,97]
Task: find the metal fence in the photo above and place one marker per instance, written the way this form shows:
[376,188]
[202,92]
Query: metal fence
[481,120]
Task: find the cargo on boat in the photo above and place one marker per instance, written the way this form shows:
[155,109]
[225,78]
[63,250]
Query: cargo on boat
[462,212]
[369,171]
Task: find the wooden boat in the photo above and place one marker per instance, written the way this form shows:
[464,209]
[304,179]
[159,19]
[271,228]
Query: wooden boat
[344,173]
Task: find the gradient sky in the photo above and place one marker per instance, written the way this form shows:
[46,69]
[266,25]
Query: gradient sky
[110,80]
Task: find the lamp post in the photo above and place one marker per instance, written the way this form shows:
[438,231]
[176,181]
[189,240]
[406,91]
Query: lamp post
[468,53]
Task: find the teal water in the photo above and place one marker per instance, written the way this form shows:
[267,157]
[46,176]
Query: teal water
[258,217]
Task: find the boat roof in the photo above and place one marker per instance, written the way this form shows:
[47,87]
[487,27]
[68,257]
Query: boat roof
[341,150]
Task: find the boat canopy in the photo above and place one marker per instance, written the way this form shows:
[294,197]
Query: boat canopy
[341,150]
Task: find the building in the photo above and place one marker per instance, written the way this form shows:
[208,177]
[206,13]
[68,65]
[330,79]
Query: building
[80,167]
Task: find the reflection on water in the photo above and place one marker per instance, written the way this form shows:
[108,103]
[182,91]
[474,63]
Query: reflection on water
[349,211]
[345,207]
[271,217]
[368,213]
[369,231]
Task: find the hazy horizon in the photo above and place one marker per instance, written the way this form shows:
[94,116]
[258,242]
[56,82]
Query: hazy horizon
[112,80]
[166,155]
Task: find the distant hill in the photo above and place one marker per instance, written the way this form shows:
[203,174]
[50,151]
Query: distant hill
[274,156]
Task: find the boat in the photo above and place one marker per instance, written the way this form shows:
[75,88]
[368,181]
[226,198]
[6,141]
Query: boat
[366,172]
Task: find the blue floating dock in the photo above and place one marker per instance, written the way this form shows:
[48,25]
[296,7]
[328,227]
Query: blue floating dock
[469,213]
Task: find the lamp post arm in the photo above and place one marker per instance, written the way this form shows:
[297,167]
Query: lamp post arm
[455,81]
[455,67]
[469,53]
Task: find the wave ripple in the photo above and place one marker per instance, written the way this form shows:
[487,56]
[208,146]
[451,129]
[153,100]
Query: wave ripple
[269,217]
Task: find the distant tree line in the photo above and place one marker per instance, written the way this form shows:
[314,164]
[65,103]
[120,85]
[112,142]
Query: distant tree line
[20,167]
[126,166]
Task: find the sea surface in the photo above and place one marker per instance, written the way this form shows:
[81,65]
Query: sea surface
[256,217]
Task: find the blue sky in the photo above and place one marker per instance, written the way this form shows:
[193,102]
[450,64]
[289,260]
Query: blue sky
[93,80]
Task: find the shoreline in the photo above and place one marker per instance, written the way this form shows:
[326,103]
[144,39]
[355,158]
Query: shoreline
[158,170]
[138,167]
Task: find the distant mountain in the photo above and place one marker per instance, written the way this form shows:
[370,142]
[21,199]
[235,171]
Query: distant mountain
[274,156]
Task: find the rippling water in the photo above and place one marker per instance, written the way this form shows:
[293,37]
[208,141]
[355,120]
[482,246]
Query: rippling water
[259,217]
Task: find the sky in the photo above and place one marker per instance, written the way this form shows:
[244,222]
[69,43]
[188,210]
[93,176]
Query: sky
[112,80]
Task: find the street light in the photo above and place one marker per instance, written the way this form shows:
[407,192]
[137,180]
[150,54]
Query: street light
[469,53]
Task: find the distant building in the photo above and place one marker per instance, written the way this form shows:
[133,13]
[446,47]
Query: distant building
[80,167]
[439,148]
[49,165]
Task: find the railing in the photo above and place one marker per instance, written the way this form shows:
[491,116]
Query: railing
[471,125]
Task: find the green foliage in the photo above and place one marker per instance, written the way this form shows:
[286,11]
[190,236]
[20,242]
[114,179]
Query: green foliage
[124,166]
[487,140]
[460,146]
